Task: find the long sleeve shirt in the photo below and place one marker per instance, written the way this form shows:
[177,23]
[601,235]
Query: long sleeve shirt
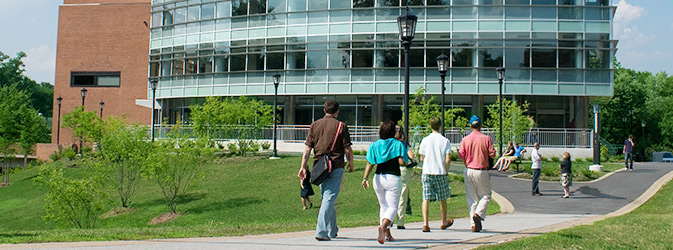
[537,159]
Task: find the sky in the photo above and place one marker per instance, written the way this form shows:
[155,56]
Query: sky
[644,29]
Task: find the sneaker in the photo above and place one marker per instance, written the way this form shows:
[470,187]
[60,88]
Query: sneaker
[540,194]
[448,223]
[322,238]
[401,227]
[426,229]
[477,223]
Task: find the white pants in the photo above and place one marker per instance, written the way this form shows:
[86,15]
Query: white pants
[387,187]
[477,191]
[404,196]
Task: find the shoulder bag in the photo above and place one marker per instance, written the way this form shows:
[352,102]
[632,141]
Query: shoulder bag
[323,167]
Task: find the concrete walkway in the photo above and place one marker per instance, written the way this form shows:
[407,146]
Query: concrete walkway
[533,215]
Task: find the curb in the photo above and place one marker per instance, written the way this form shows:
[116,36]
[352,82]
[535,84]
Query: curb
[514,176]
[497,239]
[506,207]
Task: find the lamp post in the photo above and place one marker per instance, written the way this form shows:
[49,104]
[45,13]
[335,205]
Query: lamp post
[58,123]
[276,81]
[642,123]
[443,67]
[153,85]
[83,93]
[501,76]
[101,103]
[407,28]
[630,121]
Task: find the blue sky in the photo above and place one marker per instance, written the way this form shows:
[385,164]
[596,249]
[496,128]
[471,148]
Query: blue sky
[644,28]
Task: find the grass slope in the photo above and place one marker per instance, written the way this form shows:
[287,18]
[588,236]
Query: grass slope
[239,196]
[647,227]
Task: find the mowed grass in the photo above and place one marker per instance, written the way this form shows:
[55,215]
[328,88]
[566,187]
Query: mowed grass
[239,196]
[647,227]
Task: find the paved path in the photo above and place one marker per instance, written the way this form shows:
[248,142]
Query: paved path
[533,215]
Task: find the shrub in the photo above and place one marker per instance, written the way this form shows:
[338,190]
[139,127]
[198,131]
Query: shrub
[266,145]
[605,154]
[254,147]
[554,158]
[589,159]
[586,173]
[232,148]
[74,201]
[550,171]
[454,156]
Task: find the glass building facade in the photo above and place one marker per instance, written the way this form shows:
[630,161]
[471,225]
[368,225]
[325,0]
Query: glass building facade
[556,54]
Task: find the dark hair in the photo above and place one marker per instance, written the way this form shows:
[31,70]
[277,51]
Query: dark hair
[387,129]
[631,136]
[331,106]
[435,123]
[399,135]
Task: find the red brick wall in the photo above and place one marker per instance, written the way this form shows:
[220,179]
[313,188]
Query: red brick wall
[110,36]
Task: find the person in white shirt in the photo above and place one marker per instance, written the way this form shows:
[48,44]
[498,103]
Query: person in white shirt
[536,167]
[435,151]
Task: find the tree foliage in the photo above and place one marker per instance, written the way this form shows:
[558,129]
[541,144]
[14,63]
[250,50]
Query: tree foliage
[12,71]
[84,124]
[73,200]
[125,150]
[515,122]
[178,165]
[422,107]
[640,97]
[242,118]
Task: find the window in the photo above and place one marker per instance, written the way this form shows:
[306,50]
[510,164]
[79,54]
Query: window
[95,79]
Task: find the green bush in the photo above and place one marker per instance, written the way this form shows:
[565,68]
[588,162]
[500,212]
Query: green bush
[265,145]
[589,159]
[605,154]
[586,173]
[67,152]
[454,156]
[550,171]
[254,147]
[554,158]
[77,201]
[232,148]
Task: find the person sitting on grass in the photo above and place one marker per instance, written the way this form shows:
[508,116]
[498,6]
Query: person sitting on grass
[503,163]
[388,154]
[566,174]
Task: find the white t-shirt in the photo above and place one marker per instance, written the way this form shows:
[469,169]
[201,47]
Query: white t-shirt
[434,149]
[537,159]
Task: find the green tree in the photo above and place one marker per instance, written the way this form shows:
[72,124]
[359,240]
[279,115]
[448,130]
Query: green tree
[12,74]
[76,200]
[34,130]
[177,165]
[515,122]
[422,107]
[85,125]
[242,118]
[124,151]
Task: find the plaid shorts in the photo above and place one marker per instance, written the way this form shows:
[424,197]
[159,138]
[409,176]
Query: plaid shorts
[436,187]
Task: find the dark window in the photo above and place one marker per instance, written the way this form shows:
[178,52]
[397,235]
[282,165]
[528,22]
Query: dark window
[363,3]
[239,8]
[363,58]
[95,79]
[544,58]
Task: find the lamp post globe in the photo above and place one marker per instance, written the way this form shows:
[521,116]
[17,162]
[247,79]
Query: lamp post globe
[276,81]
[83,93]
[58,126]
[500,72]
[407,28]
[443,67]
[153,86]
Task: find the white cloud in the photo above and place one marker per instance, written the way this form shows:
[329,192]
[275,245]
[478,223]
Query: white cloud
[627,12]
[41,63]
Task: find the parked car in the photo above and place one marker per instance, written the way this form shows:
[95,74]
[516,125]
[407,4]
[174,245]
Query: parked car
[668,157]
[662,157]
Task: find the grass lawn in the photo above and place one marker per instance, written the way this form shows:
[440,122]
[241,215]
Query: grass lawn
[551,171]
[239,196]
[647,227]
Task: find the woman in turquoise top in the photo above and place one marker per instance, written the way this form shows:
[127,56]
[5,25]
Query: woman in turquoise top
[388,154]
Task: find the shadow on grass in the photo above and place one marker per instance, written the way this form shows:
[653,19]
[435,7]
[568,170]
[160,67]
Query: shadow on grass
[18,234]
[228,204]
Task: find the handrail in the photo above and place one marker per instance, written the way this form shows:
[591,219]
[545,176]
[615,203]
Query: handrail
[547,137]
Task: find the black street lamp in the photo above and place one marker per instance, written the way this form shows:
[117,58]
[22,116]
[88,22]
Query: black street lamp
[443,67]
[630,121]
[58,126]
[407,28]
[101,103]
[501,76]
[276,81]
[153,85]
[83,92]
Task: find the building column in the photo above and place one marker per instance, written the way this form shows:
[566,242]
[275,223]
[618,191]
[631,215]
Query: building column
[288,118]
[377,107]
[478,106]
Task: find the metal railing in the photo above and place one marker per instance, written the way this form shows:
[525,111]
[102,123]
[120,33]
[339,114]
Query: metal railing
[547,137]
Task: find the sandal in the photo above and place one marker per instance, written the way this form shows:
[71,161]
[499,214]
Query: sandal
[390,238]
[381,238]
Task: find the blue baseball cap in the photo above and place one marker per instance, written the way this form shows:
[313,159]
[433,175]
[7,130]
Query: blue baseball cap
[475,121]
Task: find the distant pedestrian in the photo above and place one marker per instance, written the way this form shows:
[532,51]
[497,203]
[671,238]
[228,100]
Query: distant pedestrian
[536,167]
[435,151]
[628,152]
[388,154]
[566,174]
[306,192]
[503,163]
[476,148]
[319,139]
[405,175]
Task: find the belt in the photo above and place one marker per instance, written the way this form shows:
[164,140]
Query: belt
[480,169]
